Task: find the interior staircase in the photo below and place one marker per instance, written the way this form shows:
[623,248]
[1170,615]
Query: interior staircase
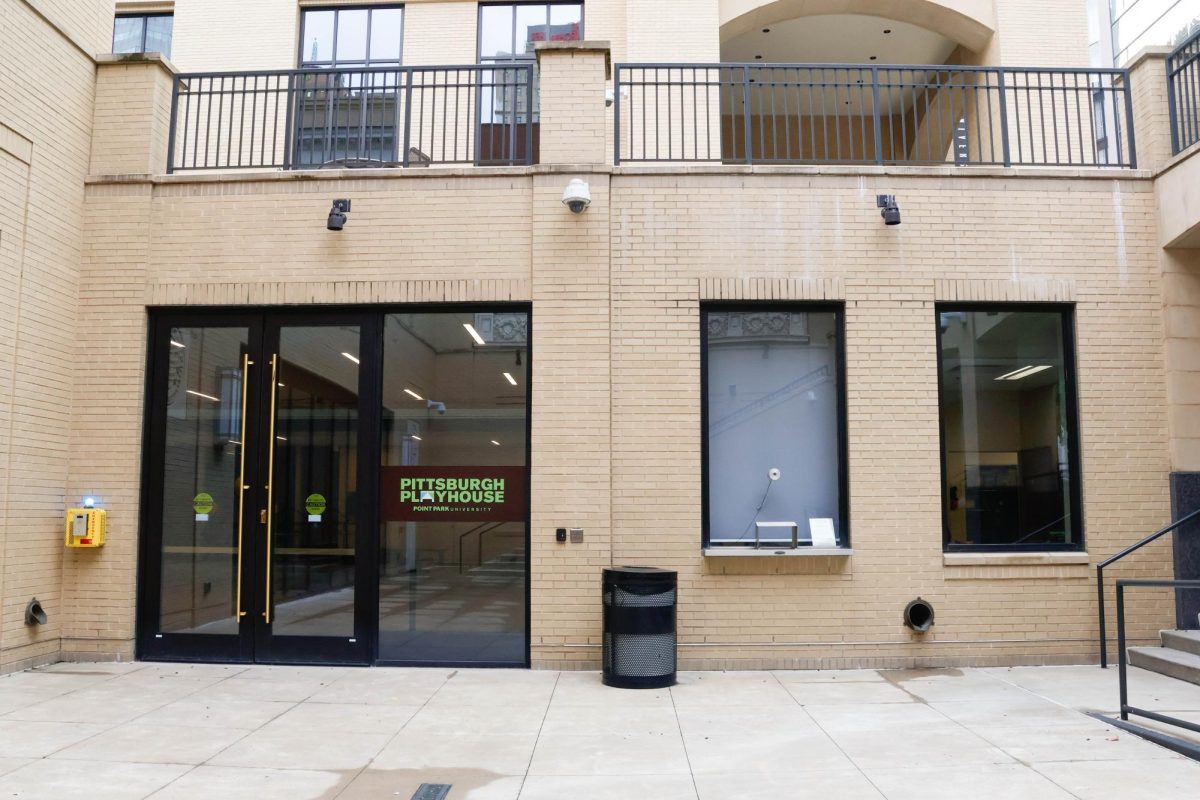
[1178,657]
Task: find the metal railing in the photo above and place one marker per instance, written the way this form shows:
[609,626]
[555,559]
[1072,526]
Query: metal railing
[867,114]
[1186,518]
[481,114]
[1183,93]
[1123,656]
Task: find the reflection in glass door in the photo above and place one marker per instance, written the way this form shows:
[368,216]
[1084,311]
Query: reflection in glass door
[201,502]
[313,512]
[453,501]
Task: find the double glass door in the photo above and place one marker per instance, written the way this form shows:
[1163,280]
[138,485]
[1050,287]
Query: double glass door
[261,444]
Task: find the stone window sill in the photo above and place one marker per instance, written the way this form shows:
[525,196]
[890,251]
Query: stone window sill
[1013,559]
[768,552]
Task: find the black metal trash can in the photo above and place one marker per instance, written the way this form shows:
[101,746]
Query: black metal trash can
[639,627]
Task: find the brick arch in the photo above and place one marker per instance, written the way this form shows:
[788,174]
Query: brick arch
[968,22]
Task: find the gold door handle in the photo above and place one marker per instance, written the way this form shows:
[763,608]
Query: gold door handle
[270,480]
[242,487]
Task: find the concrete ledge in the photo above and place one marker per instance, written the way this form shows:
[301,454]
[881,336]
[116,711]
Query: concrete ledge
[678,170]
[1013,559]
[584,46]
[787,552]
[137,58]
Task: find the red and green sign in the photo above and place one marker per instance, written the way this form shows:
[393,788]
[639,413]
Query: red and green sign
[453,494]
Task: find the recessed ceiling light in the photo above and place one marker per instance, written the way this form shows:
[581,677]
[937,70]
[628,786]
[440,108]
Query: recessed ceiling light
[351,357]
[413,394]
[205,396]
[874,57]
[495,443]
[1023,372]
[281,438]
[758,58]
[416,438]
[887,30]
[178,344]
[508,376]
[474,333]
[766,30]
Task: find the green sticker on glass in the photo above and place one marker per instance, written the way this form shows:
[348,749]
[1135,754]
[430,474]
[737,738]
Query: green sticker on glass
[202,503]
[315,504]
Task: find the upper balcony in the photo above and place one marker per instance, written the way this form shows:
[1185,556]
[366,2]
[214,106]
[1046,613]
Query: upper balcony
[791,114]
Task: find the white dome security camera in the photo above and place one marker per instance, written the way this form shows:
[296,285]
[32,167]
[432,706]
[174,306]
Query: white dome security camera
[577,196]
[774,474]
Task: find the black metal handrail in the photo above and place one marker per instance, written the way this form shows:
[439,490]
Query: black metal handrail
[481,114]
[481,529]
[1122,655]
[1117,557]
[870,114]
[1183,93]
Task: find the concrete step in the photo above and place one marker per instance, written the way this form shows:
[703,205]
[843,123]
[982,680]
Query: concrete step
[1187,641]
[1167,661]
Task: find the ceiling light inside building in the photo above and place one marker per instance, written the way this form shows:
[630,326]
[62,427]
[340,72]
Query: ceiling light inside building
[413,394]
[508,377]
[352,357]
[474,333]
[1023,372]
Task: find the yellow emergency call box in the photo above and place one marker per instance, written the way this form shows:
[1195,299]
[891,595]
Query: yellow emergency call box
[85,527]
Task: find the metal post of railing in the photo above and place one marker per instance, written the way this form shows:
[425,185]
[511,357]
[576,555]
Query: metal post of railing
[1121,655]
[171,129]
[290,127]
[1172,113]
[875,115]
[529,103]
[1103,632]
[617,115]
[408,89]
[747,138]
[1004,143]
[1127,95]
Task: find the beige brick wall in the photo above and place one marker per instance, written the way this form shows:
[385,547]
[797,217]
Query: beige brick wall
[961,239]
[45,128]
[616,445]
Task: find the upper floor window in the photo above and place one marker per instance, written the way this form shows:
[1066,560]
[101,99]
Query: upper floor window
[509,30]
[347,36]
[1010,468]
[142,33]
[774,426]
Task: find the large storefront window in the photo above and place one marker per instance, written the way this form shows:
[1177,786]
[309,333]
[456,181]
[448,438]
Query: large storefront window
[1009,441]
[336,485]
[774,432]
[453,501]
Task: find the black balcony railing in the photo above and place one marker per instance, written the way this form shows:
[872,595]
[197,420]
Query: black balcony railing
[1183,93]
[866,114]
[482,114]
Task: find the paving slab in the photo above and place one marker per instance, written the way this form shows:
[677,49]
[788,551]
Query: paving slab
[190,731]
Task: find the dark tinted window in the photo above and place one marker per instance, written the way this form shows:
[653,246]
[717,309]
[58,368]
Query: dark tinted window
[1008,431]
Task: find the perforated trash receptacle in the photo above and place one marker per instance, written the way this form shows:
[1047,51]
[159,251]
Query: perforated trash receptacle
[639,627]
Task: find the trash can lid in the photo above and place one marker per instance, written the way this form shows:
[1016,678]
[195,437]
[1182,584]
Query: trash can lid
[653,574]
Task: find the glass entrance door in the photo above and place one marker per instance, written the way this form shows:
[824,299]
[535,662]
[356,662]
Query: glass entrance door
[258,459]
[341,487]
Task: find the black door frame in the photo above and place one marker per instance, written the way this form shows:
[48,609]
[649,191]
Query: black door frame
[253,642]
